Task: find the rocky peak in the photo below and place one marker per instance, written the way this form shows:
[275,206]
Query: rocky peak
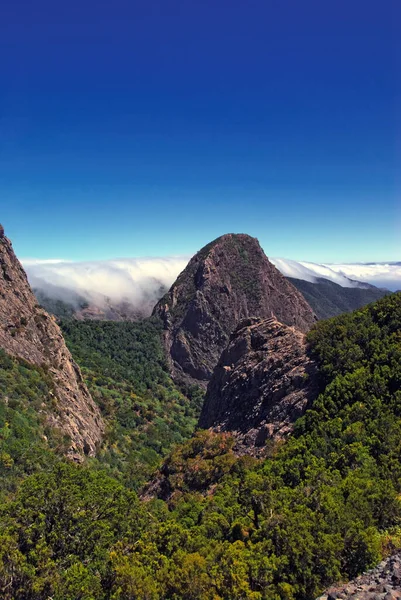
[228,280]
[263,382]
[28,332]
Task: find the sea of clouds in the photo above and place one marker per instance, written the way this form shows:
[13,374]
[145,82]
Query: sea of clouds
[142,281]
[384,275]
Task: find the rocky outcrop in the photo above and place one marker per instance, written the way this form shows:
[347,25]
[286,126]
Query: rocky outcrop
[28,332]
[263,382]
[381,583]
[228,280]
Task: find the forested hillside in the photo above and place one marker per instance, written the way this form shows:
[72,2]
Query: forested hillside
[26,440]
[328,299]
[124,367]
[323,506]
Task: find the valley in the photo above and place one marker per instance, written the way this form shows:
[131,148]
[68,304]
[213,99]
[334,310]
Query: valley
[233,445]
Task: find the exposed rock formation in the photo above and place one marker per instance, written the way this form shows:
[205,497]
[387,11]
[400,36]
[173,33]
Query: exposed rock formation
[28,332]
[263,382]
[381,583]
[228,280]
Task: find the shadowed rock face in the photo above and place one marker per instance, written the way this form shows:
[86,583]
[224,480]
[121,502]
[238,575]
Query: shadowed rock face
[28,332]
[263,382]
[228,280]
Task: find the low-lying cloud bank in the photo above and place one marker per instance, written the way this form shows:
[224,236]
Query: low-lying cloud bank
[142,281]
[385,275]
[139,281]
[311,271]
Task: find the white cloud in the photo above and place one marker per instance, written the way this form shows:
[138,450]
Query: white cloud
[310,271]
[136,280]
[386,275]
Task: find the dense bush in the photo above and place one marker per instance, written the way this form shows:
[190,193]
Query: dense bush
[124,367]
[25,391]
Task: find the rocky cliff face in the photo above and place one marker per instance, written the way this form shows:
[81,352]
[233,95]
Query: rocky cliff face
[228,280]
[263,382]
[381,583]
[28,332]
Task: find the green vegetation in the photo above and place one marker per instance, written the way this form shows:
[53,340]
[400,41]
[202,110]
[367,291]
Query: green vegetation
[124,367]
[24,436]
[324,505]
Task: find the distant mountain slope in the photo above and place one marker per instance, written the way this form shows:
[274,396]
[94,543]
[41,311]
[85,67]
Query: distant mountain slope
[68,307]
[74,306]
[115,289]
[228,280]
[329,299]
[28,332]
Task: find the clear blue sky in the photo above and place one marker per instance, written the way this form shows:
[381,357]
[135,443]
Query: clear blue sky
[149,128]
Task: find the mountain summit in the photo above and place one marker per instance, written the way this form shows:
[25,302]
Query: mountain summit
[28,332]
[230,279]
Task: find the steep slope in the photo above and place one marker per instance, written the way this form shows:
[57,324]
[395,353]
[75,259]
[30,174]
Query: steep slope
[28,332]
[263,382]
[124,367]
[228,280]
[329,299]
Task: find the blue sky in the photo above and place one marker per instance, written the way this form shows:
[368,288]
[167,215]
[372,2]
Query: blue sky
[149,128]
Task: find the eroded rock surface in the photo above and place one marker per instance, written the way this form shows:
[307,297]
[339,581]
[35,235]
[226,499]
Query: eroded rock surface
[381,583]
[228,280]
[263,382]
[28,332]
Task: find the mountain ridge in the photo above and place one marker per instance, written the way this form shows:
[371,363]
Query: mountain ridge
[27,331]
